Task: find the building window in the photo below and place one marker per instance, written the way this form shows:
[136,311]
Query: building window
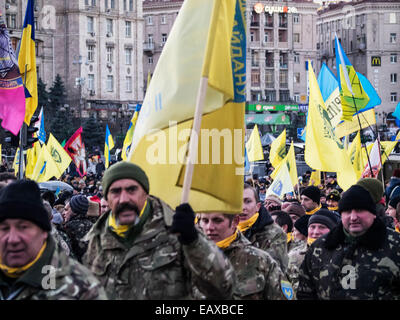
[255,79]
[164,38]
[150,60]
[393,78]
[392,17]
[266,37]
[128,29]
[112,4]
[128,84]
[109,26]
[124,5]
[269,78]
[110,83]
[392,38]
[296,37]
[393,58]
[163,19]
[283,78]
[90,24]
[110,54]
[90,53]
[296,58]
[284,95]
[150,39]
[128,56]
[149,20]
[93,3]
[105,4]
[296,18]
[296,97]
[297,77]
[91,81]
[270,95]
[130,5]
[393,97]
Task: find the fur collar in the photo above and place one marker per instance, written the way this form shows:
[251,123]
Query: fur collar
[373,239]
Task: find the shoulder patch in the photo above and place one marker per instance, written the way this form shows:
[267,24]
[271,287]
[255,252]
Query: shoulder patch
[287,289]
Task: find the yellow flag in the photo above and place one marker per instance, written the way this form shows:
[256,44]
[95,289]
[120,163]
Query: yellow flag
[282,183]
[207,42]
[254,147]
[46,167]
[323,150]
[290,161]
[16,162]
[128,137]
[366,118]
[355,154]
[315,178]
[59,155]
[31,158]
[278,149]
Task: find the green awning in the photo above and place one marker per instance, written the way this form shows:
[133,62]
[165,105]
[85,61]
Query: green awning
[271,107]
[268,118]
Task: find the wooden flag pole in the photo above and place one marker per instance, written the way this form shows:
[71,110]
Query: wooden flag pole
[194,139]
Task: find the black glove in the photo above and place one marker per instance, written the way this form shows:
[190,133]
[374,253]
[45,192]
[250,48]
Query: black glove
[183,223]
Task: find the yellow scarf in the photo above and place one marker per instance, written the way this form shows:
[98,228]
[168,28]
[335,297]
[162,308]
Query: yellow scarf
[289,237]
[310,241]
[333,208]
[16,272]
[121,230]
[227,242]
[244,225]
[314,210]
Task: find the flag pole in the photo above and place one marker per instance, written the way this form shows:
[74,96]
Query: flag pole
[194,139]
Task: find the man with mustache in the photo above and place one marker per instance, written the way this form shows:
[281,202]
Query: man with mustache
[142,249]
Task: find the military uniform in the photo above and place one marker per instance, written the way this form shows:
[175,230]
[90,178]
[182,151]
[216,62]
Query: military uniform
[155,265]
[296,257]
[62,240]
[337,266]
[268,236]
[72,280]
[258,276]
[76,229]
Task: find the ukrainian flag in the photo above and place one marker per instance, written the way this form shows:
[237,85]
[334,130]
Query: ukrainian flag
[108,145]
[27,62]
[126,148]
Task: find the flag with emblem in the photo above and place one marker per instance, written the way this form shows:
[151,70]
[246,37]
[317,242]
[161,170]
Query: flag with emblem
[278,149]
[59,155]
[282,183]
[46,167]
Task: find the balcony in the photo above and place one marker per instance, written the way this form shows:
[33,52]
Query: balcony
[148,47]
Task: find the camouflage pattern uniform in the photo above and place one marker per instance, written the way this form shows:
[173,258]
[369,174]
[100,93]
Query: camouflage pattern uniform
[258,274]
[156,265]
[296,257]
[339,267]
[62,240]
[72,280]
[76,229]
[268,236]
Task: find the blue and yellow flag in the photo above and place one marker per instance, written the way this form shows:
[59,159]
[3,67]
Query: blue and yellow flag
[207,44]
[352,94]
[46,167]
[27,62]
[126,148]
[108,145]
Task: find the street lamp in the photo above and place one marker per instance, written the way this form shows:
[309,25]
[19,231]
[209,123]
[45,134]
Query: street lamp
[79,82]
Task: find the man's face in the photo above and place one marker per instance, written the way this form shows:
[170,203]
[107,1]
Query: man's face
[67,213]
[126,198]
[103,206]
[390,211]
[216,226]
[294,217]
[20,242]
[316,230]
[332,203]
[307,203]
[250,206]
[357,221]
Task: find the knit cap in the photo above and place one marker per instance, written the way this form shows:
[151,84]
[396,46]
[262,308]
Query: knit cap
[296,209]
[373,186]
[325,217]
[394,201]
[333,195]
[79,204]
[357,197]
[313,193]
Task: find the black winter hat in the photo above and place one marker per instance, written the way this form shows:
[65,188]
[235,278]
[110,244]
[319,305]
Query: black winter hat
[325,217]
[394,201]
[301,224]
[21,200]
[356,197]
[79,204]
[313,193]
[333,195]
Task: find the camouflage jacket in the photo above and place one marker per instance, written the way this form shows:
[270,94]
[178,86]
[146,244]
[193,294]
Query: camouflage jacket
[268,236]
[76,229]
[338,267]
[258,276]
[55,276]
[296,257]
[156,265]
[62,239]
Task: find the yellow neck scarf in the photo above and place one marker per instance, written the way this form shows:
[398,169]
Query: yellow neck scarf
[289,237]
[16,272]
[227,242]
[244,225]
[333,208]
[310,241]
[314,210]
[121,230]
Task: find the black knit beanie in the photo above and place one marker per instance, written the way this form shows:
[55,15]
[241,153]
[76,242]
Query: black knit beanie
[356,197]
[313,193]
[21,200]
[373,186]
[301,224]
[325,217]
[394,201]
[124,170]
[79,204]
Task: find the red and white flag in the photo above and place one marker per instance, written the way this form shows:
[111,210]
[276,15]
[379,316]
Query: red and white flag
[76,150]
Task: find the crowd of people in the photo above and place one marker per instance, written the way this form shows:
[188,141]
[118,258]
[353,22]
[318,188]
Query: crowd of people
[110,238]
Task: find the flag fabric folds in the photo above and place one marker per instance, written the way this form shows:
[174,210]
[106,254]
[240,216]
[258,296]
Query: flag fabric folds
[206,43]
[253,146]
[278,149]
[282,183]
[374,165]
[40,125]
[59,155]
[129,134]
[315,178]
[46,167]
[27,62]
[323,150]
[76,150]
[12,96]
[108,145]
[355,154]
[32,156]
[352,94]
[290,162]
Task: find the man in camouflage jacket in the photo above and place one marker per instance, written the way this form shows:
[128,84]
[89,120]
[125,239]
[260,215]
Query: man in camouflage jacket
[358,259]
[145,259]
[32,265]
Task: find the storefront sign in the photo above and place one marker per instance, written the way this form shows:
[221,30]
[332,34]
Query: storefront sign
[259,8]
[272,107]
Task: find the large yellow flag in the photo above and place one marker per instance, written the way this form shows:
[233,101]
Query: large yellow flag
[290,162]
[254,147]
[323,150]
[206,43]
[355,154]
[278,149]
[129,135]
[31,158]
[59,155]
[46,167]
[315,178]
